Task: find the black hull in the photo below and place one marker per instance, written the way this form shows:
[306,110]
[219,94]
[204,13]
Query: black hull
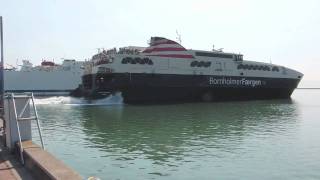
[167,94]
[158,88]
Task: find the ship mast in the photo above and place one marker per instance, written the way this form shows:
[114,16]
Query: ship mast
[178,37]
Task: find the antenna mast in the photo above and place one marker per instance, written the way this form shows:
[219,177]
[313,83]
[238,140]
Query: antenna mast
[178,37]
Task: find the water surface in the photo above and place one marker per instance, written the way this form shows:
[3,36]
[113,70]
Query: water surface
[276,139]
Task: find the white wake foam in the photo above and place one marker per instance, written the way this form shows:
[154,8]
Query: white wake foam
[110,100]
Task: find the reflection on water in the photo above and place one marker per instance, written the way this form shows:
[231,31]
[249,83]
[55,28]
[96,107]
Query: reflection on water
[175,131]
[180,141]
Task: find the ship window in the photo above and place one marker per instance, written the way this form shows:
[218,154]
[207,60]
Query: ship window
[266,68]
[133,61]
[129,59]
[275,68]
[207,64]
[240,66]
[136,60]
[200,64]
[206,54]
[238,57]
[254,67]
[141,61]
[193,63]
[147,61]
[67,68]
[101,69]
[150,62]
[125,60]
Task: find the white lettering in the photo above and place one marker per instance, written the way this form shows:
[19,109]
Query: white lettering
[230,81]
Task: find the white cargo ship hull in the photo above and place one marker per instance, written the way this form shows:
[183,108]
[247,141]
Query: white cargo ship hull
[42,83]
[45,80]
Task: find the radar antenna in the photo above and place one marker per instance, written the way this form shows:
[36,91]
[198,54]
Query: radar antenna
[178,37]
[220,49]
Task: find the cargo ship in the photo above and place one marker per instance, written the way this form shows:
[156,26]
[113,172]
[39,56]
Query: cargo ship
[47,79]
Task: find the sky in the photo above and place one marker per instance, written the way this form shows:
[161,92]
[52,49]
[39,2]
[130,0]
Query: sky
[285,32]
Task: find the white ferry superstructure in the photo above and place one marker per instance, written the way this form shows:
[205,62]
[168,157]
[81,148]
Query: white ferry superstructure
[166,71]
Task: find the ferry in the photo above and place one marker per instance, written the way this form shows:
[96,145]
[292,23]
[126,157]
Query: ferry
[166,71]
[47,79]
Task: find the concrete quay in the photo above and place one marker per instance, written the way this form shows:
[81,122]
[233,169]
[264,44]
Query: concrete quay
[39,164]
[10,167]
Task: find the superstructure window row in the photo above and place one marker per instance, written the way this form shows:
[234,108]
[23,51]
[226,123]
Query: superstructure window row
[257,67]
[137,60]
[207,54]
[200,64]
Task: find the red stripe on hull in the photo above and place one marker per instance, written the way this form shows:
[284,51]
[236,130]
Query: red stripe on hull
[163,49]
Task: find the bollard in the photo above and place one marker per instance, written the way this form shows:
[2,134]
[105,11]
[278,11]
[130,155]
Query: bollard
[11,129]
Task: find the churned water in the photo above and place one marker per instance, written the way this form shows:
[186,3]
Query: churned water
[276,139]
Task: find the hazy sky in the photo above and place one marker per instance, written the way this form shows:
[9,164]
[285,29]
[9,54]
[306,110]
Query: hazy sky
[286,32]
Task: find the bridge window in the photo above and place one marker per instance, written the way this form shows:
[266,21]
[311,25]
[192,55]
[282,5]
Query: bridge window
[238,57]
[275,68]
[221,55]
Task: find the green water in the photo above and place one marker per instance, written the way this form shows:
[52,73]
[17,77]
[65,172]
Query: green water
[277,139]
